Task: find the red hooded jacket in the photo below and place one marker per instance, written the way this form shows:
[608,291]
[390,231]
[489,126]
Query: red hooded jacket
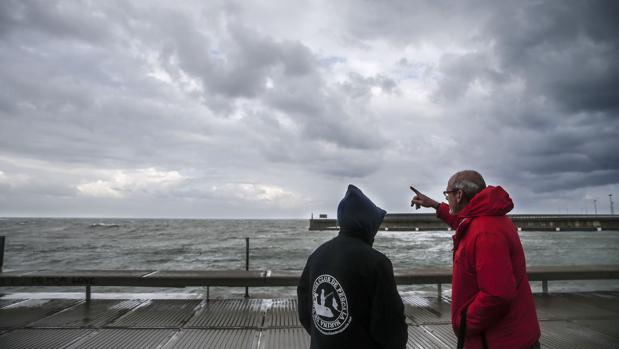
[489,274]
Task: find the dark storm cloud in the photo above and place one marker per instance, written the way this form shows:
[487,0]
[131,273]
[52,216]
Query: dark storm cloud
[549,71]
[567,53]
[58,20]
[564,53]
[229,101]
[542,87]
[459,72]
[241,63]
[75,110]
[559,183]
[81,92]
[280,144]
[411,22]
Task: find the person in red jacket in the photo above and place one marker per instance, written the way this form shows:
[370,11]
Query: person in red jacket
[492,304]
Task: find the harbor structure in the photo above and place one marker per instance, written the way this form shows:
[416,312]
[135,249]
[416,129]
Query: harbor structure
[530,222]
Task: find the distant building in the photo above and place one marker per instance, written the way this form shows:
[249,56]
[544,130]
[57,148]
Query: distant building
[322,216]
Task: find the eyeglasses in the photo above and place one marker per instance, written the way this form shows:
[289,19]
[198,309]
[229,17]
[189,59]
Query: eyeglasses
[450,191]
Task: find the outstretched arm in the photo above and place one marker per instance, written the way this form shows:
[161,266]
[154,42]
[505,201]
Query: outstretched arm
[442,210]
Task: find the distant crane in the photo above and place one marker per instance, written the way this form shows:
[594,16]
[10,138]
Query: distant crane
[612,204]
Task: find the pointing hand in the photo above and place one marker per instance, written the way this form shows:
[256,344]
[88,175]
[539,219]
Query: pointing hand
[421,200]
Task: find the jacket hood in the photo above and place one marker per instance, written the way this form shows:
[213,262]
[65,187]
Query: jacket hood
[357,215]
[492,201]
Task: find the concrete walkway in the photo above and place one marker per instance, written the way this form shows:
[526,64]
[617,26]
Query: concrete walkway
[575,320]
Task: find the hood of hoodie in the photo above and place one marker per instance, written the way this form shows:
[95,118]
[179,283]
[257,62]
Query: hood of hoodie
[492,201]
[358,217]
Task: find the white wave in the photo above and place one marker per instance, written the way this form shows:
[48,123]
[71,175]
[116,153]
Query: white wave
[104,225]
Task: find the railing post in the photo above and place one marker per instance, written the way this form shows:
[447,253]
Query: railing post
[246,264]
[545,286]
[1,253]
[439,290]
[88,293]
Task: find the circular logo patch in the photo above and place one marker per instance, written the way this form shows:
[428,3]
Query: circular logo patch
[330,306]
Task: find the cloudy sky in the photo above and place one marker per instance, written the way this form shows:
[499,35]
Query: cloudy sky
[268,109]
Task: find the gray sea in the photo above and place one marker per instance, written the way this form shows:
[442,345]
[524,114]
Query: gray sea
[155,244]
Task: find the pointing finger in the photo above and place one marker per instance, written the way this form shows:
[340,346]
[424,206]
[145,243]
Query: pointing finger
[415,190]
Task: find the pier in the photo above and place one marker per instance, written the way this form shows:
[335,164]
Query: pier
[108,320]
[574,320]
[569,320]
[533,222]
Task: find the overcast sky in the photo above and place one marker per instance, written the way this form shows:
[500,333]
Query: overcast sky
[268,109]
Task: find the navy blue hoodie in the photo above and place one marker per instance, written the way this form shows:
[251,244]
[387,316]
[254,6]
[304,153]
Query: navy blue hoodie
[347,293]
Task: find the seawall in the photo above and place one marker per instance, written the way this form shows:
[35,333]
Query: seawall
[536,222]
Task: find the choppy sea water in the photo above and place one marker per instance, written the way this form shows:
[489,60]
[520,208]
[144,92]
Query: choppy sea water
[155,244]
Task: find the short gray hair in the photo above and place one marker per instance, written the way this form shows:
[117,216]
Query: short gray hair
[470,182]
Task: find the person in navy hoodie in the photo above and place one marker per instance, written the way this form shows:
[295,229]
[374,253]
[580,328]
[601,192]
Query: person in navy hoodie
[347,293]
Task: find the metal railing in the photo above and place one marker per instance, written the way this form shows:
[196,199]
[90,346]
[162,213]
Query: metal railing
[262,278]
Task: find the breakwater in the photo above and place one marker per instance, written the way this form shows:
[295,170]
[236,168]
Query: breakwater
[536,222]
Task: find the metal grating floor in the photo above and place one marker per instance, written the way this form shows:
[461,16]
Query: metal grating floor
[93,314]
[282,313]
[284,338]
[562,307]
[214,338]
[578,320]
[158,314]
[41,338]
[422,310]
[609,327]
[608,301]
[125,339]
[420,338]
[564,334]
[22,313]
[444,333]
[228,313]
